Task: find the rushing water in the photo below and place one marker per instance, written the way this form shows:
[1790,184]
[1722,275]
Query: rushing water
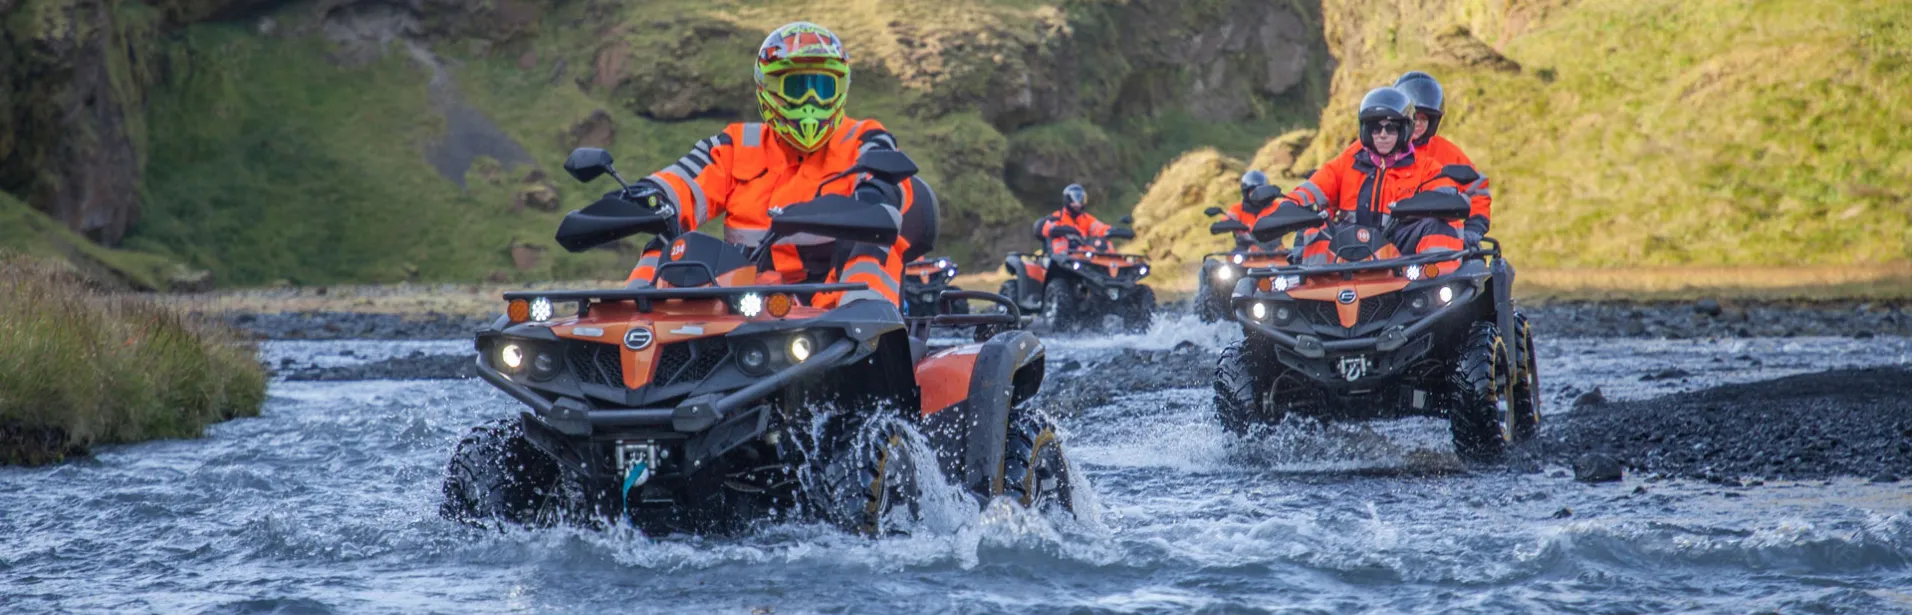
[327,504]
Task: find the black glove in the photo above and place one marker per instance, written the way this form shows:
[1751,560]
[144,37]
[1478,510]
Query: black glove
[646,193]
[1473,238]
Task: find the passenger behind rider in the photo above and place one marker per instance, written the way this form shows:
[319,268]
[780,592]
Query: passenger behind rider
[1074,199]
[1363,188]
[802,144]
[1247,213]
[1429,109]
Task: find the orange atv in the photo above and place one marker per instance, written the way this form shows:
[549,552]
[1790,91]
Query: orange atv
[717,398]
[924,281]
[1083,284]
[1371,332]
[1220,270]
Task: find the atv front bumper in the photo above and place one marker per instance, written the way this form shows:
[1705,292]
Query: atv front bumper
[1360,362]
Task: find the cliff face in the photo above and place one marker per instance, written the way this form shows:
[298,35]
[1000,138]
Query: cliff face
[127,116]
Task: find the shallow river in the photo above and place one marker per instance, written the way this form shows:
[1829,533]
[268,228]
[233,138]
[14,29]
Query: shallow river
[327,504]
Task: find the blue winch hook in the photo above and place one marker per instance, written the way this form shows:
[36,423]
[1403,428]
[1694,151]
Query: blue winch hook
[639,473]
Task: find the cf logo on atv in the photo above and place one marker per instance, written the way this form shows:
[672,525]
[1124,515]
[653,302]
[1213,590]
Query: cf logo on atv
[1353,368]
[638,338]
[1346,296]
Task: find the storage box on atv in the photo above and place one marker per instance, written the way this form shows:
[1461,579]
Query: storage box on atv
[708,401]
[1371,332]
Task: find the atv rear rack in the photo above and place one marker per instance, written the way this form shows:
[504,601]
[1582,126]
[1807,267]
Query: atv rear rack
[645,296]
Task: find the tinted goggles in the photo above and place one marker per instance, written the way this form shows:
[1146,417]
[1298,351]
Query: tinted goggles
[798,88]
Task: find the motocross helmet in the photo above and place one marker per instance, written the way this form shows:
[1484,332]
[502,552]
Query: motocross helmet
[803,79]
[1428,98]
[1075,198]
[1251,180]
[1386,108]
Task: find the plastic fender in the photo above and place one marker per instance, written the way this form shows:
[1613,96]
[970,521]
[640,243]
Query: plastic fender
[1503,273]
[969,435]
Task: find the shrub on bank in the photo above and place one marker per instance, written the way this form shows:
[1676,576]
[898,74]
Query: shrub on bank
[80,366]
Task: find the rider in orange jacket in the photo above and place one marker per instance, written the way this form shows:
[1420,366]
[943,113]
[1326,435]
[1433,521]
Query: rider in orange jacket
[794,154]
[1363,188]
[1074,199]
[1429,101]
[1247,213]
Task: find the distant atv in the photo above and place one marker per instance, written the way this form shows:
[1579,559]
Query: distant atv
[1220,270]
[715,398]
[1374,333]
[1083,284]
[924,281]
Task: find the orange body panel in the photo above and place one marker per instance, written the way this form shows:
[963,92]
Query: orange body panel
[944,377]
[673,321]
[1364,285]
[1039,274]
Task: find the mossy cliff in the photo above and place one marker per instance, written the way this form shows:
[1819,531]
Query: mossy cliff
[375,141]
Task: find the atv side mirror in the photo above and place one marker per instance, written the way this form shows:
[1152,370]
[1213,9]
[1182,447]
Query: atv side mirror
[1286,219]
[608,220]
[888,165]
[1437,203]
[1126,220]
[1264,195]
[1212,211]
[1121,232]
[587,163]
[840,217]
[1227,226]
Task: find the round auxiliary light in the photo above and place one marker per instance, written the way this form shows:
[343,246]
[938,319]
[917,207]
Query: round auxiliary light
[1430,271]
[800,348]
[942,263]
[1446,294]
[518,310]
[778,305]
[1238,259]
[1282,283]
[1260,310]
[1224,273]
[1145,270]
[1413,272]
[754,357]
[1075,265]
[750,305]
[544,366]
[512,356]
[541,309]
[1282,314]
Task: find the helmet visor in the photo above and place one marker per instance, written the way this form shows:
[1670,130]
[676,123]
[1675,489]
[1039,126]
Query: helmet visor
[800,87]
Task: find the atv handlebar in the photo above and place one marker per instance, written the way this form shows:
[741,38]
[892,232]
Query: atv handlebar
[1392,263]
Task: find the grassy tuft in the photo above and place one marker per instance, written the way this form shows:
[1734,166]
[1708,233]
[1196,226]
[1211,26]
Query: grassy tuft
[85,367]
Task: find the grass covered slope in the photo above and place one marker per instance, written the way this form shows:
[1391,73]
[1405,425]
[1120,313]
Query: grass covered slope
[28,232]
[86,368]
[1661,132]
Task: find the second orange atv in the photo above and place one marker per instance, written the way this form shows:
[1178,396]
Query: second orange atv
[1221,270]
[715,398]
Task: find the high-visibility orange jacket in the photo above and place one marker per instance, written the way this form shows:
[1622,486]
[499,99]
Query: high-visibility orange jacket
[1239,212]
[1083,223]
[1443,153]
[1356,186]
[745,171]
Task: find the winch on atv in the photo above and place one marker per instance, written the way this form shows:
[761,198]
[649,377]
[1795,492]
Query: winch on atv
[716,397]
[1371,332]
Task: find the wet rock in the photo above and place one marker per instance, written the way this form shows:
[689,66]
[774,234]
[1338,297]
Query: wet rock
[1563,513]
[1597,468]
[1590,399]
[1707,307]
[1884,477]
[1185,347]
[417,366]
[1666,374]
[1069,366]
[597,130]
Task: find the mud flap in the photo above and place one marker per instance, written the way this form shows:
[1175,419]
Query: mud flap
[970,437]
[1504,306]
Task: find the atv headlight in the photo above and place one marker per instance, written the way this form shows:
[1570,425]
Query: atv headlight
[544,366]
[1284,313]
[800,348]
[1224,273]
[1075,264]
[1238,259]
[750,305]
[1413,272]
[1285,282]
[1259,310]
[1445,294]
[1144,270]
[512,356]
[753,357]
[541,309]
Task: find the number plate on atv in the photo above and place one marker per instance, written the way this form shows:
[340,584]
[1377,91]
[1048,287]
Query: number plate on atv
[1354,368]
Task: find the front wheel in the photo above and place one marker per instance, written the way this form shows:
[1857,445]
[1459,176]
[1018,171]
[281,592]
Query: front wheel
[1243,382]
[1140,311]
[1526,389]
[1478,413]
[869,479]
[1035,472]
[1211,302]
[1059,307]
[495,474]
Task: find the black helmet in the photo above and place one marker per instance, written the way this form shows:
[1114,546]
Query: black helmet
[1383,104]
[1251,180]
[1428,98]
[1074,197]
